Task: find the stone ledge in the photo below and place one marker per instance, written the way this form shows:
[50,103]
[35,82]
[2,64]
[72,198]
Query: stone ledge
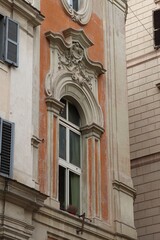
[20,194]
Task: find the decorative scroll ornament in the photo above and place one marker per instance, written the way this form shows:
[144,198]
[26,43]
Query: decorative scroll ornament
[69,58]
[72,61]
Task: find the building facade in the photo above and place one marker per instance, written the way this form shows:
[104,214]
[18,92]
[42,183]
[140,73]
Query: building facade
[64,143]
[143,56]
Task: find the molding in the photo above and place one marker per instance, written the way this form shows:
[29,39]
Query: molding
[143,58]
[83,15]
[15,229]
[142,161]
[69,53]
[92,129]
[32,14]
[121,4]
[35,141]
[125,231]
[20,194]
[124,188]
[72,35]
[54,105]
[70,223]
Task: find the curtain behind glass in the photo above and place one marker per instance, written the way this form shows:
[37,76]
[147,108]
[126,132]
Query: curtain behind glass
[74,149]
[74,190]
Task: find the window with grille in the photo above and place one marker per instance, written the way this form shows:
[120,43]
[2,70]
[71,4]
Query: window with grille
[69,158]
[6,147]
[9,34]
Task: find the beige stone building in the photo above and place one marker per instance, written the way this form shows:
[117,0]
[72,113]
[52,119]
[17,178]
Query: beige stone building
[143,72]
[64,138]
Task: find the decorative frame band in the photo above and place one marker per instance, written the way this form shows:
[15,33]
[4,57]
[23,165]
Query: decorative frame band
[81,16]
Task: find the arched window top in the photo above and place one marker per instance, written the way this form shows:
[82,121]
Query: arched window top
[70,112]
[79,10]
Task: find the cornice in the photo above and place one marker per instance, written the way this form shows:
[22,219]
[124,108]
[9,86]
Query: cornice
[93,129]
[32,14]
[68,40]
[124,188]
[54,105]
[20,194]
[121,4]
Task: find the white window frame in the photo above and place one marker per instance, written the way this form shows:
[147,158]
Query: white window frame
[65,163]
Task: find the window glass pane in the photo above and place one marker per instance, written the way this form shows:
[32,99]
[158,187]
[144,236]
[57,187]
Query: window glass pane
[62,188]
[73,114]
[74,149]
[74,190]
[75,5]
[62,142]
[63,113]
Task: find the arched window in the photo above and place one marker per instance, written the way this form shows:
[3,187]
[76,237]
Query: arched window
[69,157]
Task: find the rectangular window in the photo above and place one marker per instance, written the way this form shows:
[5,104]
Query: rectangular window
[156,25]
[69,159]
[6,147]
[9,34]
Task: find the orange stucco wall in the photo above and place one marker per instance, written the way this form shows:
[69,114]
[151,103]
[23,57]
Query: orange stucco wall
[57,20]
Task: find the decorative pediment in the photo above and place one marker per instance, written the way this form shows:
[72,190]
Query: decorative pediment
[69,54]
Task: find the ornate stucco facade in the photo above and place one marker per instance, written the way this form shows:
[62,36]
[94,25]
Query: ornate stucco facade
[143,71]
[69,62]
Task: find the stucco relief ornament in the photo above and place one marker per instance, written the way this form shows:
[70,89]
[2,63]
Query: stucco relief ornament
[75,17]
[83,14]
[72,61]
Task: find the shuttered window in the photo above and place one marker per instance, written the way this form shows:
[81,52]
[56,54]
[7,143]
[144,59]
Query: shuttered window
[6,147]
[9,32]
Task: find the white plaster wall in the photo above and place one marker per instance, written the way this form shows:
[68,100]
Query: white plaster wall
[16,97]
[21,109]
[4,88]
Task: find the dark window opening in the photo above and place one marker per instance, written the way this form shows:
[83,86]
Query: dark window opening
[156,25]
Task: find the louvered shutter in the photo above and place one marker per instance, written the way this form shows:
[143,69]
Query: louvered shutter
[11,42]
[2,37]
[6,147]
[156,25]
